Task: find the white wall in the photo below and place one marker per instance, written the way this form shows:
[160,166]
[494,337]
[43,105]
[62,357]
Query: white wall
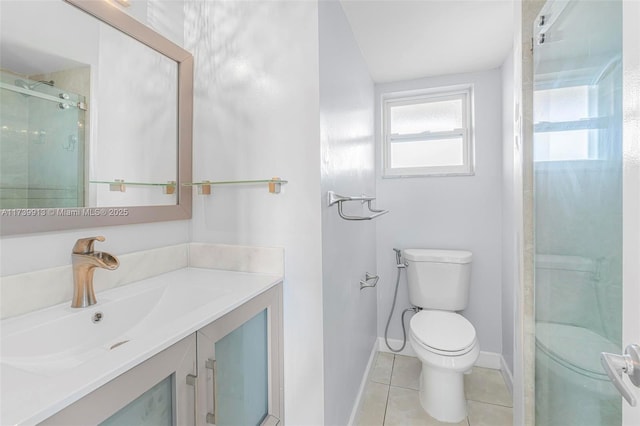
[257,116]
[348,247]
[461,212]
[509,245]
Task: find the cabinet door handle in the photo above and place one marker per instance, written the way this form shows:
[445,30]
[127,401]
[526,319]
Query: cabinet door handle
[192,380]
[210,364]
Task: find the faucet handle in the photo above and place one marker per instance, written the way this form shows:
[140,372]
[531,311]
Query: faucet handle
[85,245]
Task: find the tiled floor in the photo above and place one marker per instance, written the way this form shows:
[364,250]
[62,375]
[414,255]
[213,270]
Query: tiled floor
[391,396]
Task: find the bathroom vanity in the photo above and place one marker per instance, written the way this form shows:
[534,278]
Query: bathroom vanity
[192,346]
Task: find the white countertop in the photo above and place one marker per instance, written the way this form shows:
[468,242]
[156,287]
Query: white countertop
[28,396]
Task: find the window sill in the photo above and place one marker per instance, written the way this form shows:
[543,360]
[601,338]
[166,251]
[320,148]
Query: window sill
[426,174]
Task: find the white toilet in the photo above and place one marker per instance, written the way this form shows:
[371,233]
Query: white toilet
[444,341]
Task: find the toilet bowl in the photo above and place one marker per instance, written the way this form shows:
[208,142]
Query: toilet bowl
[446,345]
[571,385]
[444,341]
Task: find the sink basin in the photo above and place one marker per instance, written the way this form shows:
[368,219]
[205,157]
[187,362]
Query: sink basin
[55,356]
[53,340]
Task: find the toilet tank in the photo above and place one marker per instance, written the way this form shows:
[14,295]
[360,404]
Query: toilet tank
[559,278]
[438,279]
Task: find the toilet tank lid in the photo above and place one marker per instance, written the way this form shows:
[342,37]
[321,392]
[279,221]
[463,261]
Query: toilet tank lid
[441,256]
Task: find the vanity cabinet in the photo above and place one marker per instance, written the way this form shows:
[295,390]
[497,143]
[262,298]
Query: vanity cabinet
[240,365]
[153,393]
[227,373]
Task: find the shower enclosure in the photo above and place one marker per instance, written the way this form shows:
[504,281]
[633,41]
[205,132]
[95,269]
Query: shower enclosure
[42,144]
[580,165]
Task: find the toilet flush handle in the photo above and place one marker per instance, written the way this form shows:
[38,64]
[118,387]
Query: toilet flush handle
[629,363]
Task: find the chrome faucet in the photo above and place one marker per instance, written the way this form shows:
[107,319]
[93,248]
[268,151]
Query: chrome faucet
[84,261]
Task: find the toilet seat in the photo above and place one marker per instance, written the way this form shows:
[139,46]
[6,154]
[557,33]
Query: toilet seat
[565,344]
[444,333]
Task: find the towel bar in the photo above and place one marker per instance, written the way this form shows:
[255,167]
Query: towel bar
[339,199]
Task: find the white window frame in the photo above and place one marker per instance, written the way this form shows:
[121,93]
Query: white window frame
[594,149]
[463,92]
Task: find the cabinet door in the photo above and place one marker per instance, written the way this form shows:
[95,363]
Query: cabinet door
[239,365]
[154,393]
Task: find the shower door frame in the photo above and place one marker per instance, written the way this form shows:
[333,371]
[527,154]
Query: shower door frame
[631,190]
[631,199]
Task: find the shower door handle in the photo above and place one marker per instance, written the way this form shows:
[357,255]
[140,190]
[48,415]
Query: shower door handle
[629,363]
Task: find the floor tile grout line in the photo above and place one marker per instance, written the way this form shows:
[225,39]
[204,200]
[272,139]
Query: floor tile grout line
[490,403]
[388,396]
[386,404]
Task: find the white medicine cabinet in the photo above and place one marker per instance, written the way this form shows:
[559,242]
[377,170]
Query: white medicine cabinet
[227,373]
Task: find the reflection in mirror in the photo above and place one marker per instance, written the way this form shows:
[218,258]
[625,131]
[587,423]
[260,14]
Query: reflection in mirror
[80,112]
[43,139]
[95,111]
[136,127]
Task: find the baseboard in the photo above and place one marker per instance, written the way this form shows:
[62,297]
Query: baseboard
[395,343]
[506,375]
[365,378]
[490,360]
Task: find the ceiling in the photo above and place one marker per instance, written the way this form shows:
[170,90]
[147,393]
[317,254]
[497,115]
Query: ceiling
[402,40]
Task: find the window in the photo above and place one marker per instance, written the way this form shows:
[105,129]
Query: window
[565,124]
[428,133]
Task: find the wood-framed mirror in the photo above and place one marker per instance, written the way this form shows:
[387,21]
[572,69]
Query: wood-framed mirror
[96,119]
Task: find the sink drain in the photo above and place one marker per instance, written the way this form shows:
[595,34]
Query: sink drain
[97,317]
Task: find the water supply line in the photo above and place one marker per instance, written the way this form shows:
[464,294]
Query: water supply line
[400,266]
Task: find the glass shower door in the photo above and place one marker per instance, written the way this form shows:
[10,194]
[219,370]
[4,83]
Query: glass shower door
[42,144]
[578,198]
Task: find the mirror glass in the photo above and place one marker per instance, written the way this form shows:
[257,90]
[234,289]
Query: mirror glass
[82,106]
[95,118]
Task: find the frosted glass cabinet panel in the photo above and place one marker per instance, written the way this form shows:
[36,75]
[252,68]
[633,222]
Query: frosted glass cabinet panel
[239,357]
[242,374]
[152,408]
[154,393]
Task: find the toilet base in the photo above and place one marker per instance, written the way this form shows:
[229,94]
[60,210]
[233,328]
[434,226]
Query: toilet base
[442,378]
[442,394]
